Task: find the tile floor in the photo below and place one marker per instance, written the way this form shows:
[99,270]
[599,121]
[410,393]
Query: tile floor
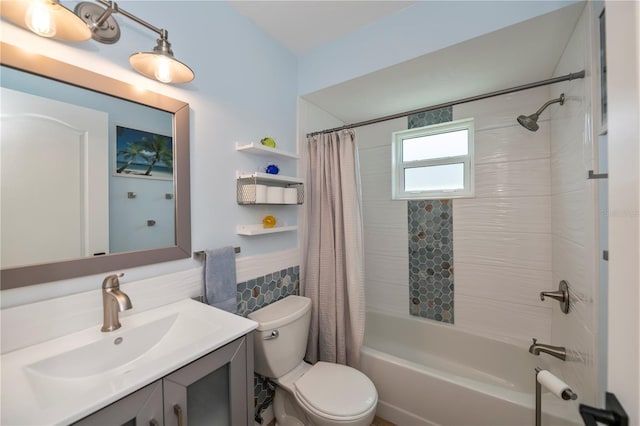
[379,421]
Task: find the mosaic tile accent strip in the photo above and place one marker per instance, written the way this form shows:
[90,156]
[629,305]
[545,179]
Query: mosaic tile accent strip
[428,118]
[431,244]
[431,259]
[257,293]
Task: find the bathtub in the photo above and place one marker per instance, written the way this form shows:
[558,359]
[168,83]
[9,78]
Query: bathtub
[428,373]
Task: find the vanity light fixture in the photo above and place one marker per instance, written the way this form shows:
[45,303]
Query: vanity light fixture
[47,18]
[158,64]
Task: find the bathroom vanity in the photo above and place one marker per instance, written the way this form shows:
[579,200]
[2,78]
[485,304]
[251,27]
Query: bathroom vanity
[211,390]
[179,363]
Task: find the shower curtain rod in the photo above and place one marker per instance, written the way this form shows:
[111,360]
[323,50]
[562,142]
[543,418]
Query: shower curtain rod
[567,77]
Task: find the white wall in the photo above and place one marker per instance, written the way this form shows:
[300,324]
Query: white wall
[245,89]
[623,69]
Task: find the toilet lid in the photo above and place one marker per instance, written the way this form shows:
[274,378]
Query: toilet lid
[334,390]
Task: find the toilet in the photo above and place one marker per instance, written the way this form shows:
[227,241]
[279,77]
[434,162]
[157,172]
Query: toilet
[324,394]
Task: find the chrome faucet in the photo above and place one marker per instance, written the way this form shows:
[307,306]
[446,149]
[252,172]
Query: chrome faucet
[557,351]
[113,301]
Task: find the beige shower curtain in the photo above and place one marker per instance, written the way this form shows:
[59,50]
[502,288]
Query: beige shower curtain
[334,275]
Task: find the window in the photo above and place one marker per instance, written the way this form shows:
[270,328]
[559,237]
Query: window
[434,161]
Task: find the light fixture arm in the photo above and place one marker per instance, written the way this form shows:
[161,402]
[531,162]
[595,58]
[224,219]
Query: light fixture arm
[112,6]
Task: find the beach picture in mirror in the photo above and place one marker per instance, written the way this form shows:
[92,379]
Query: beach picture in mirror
[143,154]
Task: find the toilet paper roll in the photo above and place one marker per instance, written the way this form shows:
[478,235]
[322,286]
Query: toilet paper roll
[275,195]
[291,195]
[554,385]
[261,193]
[257,193]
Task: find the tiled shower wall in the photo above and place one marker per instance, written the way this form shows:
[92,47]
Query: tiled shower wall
[501,237]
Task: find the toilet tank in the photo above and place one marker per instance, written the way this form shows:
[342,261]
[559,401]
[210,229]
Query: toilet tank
[280,341]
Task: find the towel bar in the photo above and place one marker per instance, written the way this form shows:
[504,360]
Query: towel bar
[202,252]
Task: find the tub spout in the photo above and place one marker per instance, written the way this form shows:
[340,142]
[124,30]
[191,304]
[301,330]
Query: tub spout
[557,351]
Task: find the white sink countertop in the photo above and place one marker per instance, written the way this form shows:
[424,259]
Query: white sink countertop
[65,379]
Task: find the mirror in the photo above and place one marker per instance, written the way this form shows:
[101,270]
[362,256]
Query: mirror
[119,189]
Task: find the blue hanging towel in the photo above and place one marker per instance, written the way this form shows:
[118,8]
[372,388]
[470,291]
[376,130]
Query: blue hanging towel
[220,278]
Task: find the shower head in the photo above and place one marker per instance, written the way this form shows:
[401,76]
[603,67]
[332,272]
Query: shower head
[530,122]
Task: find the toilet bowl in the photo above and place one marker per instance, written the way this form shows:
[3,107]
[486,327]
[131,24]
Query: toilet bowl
[323,394]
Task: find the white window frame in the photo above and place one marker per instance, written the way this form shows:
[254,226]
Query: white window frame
[398,165]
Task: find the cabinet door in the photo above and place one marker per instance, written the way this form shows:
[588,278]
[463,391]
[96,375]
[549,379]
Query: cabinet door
[211,391]
[141,408]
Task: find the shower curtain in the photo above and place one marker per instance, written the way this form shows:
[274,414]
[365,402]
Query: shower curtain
[334,276]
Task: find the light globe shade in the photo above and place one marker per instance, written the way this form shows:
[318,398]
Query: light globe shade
[161,67]
[47,18]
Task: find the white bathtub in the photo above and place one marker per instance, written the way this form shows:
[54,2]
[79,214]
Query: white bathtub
[428,373]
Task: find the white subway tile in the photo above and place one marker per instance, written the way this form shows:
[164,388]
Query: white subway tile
[386,242]
[379,134]
[503,144]
[568,170]
[385,214]
[527,251]
[515,214]
[501,283]
[388,269]
[502,111]
[568,215]
[380,295]
[528,178]
[376,186]
[375,160]
[514,323]
[569,265]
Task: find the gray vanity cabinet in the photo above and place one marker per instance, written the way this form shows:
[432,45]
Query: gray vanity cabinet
[211,391]
[215,390]
[143,407]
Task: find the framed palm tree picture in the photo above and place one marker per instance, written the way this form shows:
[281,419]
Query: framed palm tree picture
[143,154]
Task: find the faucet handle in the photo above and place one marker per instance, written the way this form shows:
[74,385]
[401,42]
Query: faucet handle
[111,281]
[562,296]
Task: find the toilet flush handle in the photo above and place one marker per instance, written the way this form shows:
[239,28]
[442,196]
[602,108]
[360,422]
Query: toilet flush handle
[273,335]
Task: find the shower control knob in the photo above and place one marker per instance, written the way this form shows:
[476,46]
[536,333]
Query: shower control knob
[562,296]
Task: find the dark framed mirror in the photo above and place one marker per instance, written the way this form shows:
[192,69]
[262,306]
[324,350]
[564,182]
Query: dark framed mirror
[163,172]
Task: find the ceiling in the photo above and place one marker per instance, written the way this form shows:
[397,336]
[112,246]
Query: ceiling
[291,22]
[513,56]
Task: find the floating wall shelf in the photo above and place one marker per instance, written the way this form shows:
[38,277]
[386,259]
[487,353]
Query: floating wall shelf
[246,191]
[269,178]
[259,149]
[259,229]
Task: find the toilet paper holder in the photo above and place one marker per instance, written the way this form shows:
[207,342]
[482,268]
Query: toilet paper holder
[567,394]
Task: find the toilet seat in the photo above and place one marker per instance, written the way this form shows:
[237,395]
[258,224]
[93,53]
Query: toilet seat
[336,392]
